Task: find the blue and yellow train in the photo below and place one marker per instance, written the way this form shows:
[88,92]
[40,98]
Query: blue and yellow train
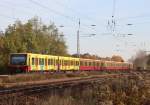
[29,62]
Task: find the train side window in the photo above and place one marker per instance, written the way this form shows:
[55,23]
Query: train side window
[45,61]
[94,63]
[68,62]
[33,62]
[49,62]
[72,63]
[42,61]
[99,64]
[77,63]
[54,62]
[90,63]
[86,63]
[81,63]
[59,61]
[36,61]
[62,62]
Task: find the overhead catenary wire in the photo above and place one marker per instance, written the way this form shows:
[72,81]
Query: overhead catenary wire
[77,12]
[14,9]
[52,10]
[73,19]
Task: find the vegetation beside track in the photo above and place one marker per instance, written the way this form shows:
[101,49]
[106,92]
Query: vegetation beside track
[133,90]
[45,76]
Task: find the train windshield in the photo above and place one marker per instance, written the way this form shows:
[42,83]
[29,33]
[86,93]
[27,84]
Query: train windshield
[18,59]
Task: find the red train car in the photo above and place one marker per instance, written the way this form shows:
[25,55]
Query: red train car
[90,64]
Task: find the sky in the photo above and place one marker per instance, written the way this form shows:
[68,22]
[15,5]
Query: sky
[106,42]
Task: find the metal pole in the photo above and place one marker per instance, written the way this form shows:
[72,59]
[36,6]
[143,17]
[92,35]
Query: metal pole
[78,40]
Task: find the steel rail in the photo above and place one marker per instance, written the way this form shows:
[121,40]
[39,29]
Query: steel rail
[57,84]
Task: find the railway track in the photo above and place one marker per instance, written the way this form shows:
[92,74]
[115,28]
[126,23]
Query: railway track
[38,87]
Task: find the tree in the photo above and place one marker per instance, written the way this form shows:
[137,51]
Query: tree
[117,58]
[31,37]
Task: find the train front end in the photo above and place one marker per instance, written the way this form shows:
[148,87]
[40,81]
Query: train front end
[18,62]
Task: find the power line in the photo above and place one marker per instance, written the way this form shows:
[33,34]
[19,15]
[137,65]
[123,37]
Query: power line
[13,8]
[76,12]
[133,17]
[73,19]
[2,15]
[54,11]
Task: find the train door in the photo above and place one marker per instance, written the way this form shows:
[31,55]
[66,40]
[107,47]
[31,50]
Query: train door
[33,67]
[41,62]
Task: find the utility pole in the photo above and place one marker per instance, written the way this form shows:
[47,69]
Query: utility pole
[78,40]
